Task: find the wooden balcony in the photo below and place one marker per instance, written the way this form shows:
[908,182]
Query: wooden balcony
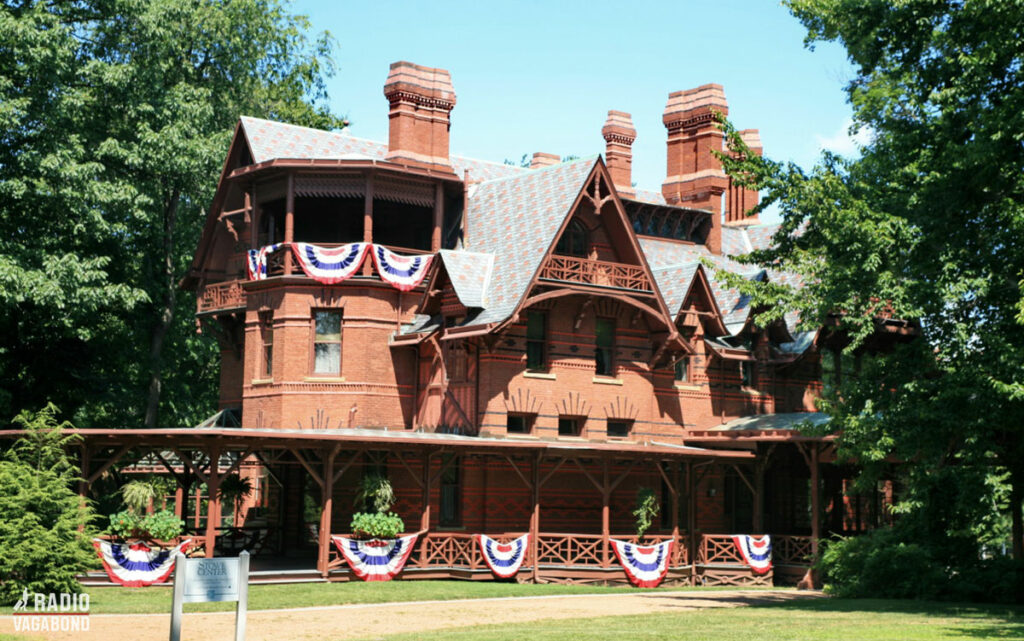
[220,297]
[599,273]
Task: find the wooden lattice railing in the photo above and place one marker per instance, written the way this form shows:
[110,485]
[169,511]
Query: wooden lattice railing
[791,550]
[437,549]
[571,549]
[595,272]
[718,548]
[220,296]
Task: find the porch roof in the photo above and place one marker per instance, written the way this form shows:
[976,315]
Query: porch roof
[244,438]
[764,427]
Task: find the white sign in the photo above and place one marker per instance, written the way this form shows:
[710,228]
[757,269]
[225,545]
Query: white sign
[199,580]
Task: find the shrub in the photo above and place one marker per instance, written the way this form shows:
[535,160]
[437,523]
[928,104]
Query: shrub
[879,564]
[377,525]
[41,546]
[125,524]
[162,525]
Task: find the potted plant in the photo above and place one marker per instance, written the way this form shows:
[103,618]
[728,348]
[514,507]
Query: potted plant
[159,526]
[646,509]
[375,493]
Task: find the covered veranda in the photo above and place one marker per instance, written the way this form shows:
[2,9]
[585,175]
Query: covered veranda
[538,467]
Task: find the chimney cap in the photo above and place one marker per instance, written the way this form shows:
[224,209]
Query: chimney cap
[541,159]
[702,99]
[751,138]
[619,128]
[425,83]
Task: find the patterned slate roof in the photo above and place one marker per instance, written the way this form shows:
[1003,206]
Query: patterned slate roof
[470,273]
[269,140]
[674,282]
[516,220]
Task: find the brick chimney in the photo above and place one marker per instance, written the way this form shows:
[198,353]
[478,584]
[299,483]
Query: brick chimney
[421,100]
[541,159]
[740,200]
[694,177]
[619,135]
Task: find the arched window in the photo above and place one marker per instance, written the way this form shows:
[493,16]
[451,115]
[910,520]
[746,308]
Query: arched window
[574,241]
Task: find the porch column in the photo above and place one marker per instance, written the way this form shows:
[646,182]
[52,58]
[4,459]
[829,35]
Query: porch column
[435,236]
[810,579]
[691,522]
[605,514]
[179,497]
[368,220]
[289,223]
[212,502]
[327,503]
[673,489]
[250,210]
[425,512]
[535,516]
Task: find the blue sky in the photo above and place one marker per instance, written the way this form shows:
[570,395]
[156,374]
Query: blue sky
[541,76]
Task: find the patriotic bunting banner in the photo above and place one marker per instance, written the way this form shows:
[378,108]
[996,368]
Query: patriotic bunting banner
[330,265]
[645,565]
[136,565]
[757,552]
[504,559]
[402,272]
[377,559]
[257,263]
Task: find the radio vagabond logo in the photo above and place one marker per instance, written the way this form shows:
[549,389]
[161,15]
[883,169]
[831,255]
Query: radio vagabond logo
[51,612]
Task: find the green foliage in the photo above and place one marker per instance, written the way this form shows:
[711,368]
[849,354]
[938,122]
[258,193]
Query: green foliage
[235,488]
[41,547]
[647,507]
[125,525]
[925,227]
[114,121]
[377,525]
[137,495]
[162,525]
[375,492]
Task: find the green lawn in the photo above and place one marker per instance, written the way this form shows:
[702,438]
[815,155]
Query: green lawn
[117,600]
[804,620]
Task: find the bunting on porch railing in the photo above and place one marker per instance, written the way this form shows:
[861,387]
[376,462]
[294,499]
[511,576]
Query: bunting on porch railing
[330,265]
[645,565]
[257,263]
[136,565]
[504,559]
[757,552]
[402,272]
[376,559]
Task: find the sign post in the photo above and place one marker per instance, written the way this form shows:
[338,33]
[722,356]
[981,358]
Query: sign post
[217,579]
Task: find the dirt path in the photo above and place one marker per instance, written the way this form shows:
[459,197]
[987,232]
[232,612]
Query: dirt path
[368,620]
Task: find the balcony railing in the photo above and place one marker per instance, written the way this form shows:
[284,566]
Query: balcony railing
[219,297]
[595,272]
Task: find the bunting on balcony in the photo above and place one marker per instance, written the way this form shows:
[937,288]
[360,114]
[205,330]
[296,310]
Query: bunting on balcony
[136,565]
[645,565]
[756,551]
[402,272]
[504,559]
[257,263]
[330,265]
[376,559]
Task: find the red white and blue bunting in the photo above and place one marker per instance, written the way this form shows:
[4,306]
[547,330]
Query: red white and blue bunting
[402,272]
[257,263]
[136,565]
[330,265]
[504,559]
[645,565]
[757,552]
[376,559]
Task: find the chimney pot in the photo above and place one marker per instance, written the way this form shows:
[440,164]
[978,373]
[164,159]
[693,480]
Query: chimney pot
[421,100]
[619,135]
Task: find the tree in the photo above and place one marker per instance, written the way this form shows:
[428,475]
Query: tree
[927,225]
[44,526]
[115,118]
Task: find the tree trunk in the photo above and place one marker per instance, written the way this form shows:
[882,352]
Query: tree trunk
[166,315]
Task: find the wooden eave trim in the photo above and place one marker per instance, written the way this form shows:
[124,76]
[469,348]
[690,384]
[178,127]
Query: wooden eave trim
[723,436]
[250,171]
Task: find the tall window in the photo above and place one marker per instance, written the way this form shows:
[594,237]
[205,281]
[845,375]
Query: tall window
[327,341]
[266,369]
[536,340]
[574,241]
[451,491]
[604,347]
[683,370]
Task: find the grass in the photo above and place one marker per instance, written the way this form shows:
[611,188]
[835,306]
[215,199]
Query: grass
[804,620]
[117,600]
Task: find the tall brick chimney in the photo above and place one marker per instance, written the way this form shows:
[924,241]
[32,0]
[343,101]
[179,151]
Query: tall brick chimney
[421,100]
[541,159]
[694,177]
[740,200]
[619,135]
